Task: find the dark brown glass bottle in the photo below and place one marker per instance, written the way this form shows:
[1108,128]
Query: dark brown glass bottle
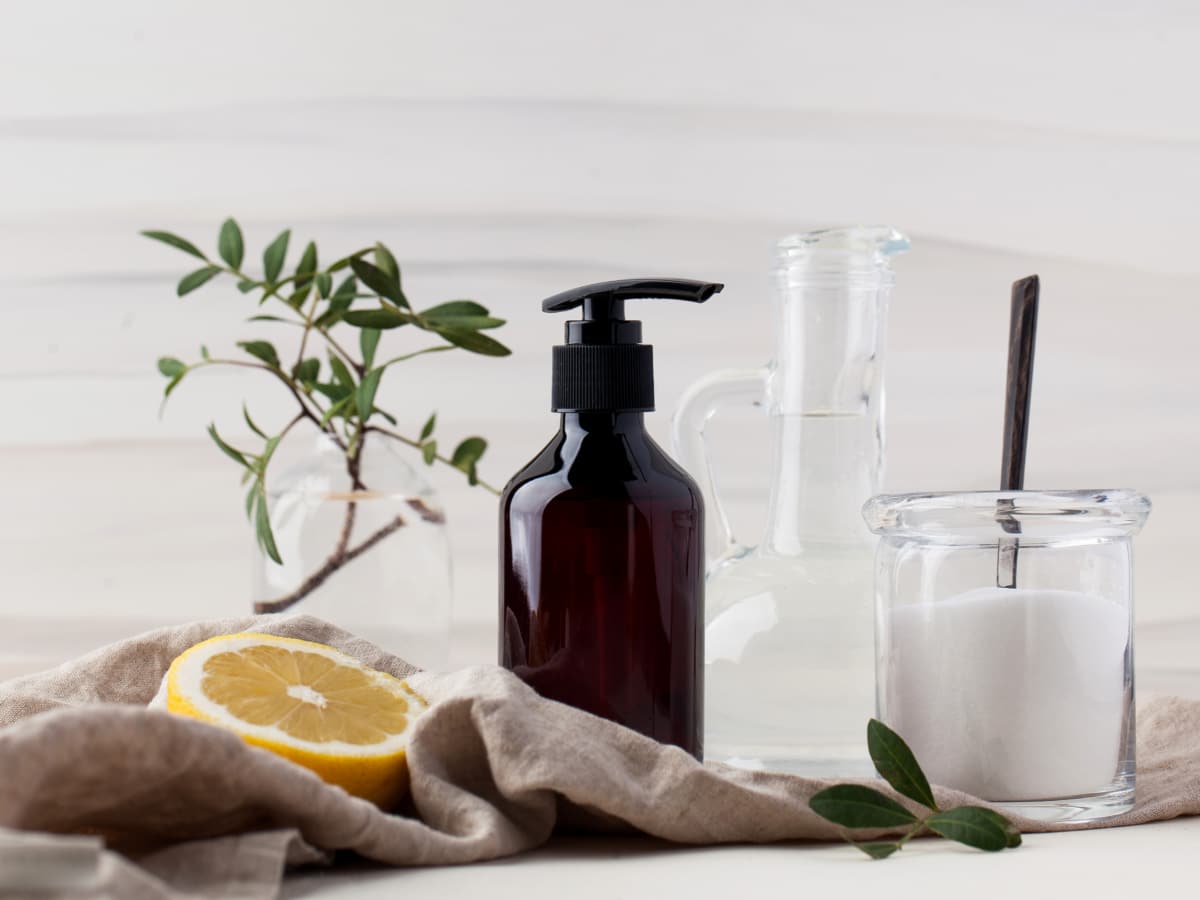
[602,546]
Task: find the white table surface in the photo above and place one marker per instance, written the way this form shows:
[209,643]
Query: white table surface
[1147,861]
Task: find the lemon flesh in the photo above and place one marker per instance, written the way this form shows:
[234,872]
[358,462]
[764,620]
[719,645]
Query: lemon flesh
[305,701]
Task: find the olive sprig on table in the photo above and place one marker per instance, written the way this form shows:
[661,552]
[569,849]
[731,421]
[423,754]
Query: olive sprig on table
[858,806]
[333,388]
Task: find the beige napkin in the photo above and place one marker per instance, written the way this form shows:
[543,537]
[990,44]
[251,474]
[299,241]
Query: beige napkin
[194,811]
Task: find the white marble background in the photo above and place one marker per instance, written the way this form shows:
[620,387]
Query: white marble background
[509,150]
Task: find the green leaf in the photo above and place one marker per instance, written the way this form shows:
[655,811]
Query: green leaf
[368,341]
[382,318]
[338,409]
[296,299]
[1013,833]
[265,318]
[455,309]
[175,241]
[268,452]
[339,303]
[378,281]
[387,263]
[429,452]
[465,314]
[324,282]
[334,392]
[473,341]
[262,350]
[249,421]
[171,385]
[230,244]
[878,849]
[332,315]
[307,371]
[427,428]
[262,527]
[193,280]
[894,760]
[308,263]
[975,827]
[467,454]
[346,290]
[275,255]
[235,455]
[204,352]
[340,372]
[170,366]
[251,497]
[858,806]
[305,269]
[246,285]
[364,397]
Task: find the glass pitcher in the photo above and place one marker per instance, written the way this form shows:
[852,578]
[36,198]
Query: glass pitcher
[789,626]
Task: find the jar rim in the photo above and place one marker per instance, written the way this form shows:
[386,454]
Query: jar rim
[952,516]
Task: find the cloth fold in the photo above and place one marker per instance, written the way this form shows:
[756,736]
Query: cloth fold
[187,809]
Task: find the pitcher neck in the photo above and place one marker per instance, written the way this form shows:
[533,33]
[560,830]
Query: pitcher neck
[826,389]
[831,291]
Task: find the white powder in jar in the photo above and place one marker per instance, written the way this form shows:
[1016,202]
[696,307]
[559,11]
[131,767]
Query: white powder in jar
[1010,694]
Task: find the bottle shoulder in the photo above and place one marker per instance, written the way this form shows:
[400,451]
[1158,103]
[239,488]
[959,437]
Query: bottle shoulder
[612,467]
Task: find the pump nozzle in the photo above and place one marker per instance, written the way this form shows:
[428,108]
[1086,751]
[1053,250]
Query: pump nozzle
[605,300]
[604,365]
[603,305]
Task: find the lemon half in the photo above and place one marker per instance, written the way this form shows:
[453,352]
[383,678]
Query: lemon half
[308,702]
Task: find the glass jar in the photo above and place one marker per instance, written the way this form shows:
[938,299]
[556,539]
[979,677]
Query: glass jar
[1022,695]
[367,552]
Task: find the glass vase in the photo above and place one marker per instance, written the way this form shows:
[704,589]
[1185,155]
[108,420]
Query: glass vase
[366,550]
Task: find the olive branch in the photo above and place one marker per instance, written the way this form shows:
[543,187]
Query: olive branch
[855,806]
[333,388]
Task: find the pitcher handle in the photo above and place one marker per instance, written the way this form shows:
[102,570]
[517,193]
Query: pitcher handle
[728,387]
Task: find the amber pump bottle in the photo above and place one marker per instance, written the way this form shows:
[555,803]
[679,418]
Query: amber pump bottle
[601,535]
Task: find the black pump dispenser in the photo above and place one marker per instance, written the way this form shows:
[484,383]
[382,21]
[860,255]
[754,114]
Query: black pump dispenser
[604,366]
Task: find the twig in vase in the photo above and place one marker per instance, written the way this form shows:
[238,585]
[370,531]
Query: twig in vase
[340,557]
[340,401]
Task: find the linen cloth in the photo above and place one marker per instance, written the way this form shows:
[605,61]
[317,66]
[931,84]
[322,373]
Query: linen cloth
[174,808]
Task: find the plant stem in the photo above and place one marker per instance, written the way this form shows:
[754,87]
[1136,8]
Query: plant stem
[913,832]
[417,444]
[346,357]
[342,553]
[304,406]
[290,425]
[308,324]
[273,289]
[437,349]
[341,556]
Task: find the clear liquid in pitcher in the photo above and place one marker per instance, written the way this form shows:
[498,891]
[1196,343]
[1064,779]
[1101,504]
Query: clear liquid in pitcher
[789,638]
